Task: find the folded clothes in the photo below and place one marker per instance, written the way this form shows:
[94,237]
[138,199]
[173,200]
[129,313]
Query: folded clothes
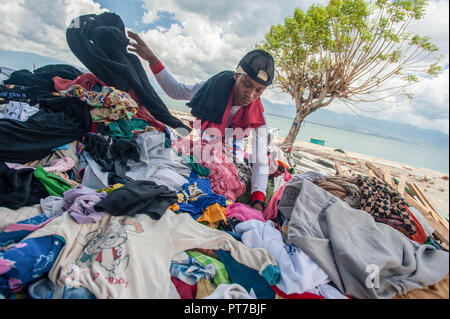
[138,197]
[18,111]
[60,120]
[107,105]
[19,188]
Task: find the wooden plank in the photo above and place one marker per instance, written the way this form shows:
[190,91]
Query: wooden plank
[417,194]
[338,169]
[420,196]
[360,165]
[420,200]
[415,202]
[401,184]
[387,176]
[378,172]
[440,230]
[429,203]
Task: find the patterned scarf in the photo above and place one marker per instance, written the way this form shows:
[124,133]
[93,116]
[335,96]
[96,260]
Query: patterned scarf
[385,204]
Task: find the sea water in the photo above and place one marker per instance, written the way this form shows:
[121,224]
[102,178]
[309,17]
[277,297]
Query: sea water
[411,154]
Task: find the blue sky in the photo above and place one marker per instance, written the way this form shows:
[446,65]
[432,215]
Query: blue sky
[132,12]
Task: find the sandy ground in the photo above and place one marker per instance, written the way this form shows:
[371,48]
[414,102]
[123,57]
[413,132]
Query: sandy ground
[433,184]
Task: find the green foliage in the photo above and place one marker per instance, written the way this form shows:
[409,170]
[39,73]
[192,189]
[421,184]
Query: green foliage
[353,40]
[434,69]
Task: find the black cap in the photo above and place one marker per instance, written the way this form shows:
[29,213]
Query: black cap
[259,65]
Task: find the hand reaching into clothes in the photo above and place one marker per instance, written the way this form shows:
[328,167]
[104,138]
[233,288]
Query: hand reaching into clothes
[141,49]
[258,206]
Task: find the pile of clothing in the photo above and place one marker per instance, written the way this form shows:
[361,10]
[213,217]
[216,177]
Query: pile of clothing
[97,200]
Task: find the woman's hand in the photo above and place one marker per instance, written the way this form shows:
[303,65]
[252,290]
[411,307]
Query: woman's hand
[141,49]
[258,206]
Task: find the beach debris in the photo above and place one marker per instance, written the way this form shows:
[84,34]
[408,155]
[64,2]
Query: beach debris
[416,198]
[338,169]
[339,150]
[324,162]
[346,160]
[437,221]
[445,178]
[304,164]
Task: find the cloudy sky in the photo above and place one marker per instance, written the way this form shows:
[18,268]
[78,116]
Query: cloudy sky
[198,38]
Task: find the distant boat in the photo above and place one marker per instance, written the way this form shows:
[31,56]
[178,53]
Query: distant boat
[316,141]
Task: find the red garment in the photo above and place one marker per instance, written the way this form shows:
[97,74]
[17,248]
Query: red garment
[420,236]
[185,290]
[287,176]
[305,295]
[257,195]
[247,117]
[158,67]
[93,127]
[86,80]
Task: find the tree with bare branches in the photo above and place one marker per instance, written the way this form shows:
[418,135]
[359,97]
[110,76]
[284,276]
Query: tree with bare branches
[349,50]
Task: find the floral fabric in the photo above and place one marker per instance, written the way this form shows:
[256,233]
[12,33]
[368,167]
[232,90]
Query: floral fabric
[108,105]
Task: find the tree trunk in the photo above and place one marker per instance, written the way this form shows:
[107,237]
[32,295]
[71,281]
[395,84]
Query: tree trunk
[293,132]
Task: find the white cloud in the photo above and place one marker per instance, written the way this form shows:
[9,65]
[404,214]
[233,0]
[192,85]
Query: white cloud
[435,25]
[38,26]
[149,17]
[214,35]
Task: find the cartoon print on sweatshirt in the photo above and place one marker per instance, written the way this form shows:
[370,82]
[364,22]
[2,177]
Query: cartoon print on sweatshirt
[107,246]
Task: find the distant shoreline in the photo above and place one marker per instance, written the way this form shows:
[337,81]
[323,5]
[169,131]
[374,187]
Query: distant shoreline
[350,130]
[393,138]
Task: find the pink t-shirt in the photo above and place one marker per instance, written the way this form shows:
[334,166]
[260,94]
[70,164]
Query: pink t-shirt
[243,212]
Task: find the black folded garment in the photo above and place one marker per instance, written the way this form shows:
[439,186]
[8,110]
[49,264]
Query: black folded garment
[138,197]
[112,155]
[60,120]
[100,43]
[13,93]
[19,187]
[40,80]
[98,146]
[122,151]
